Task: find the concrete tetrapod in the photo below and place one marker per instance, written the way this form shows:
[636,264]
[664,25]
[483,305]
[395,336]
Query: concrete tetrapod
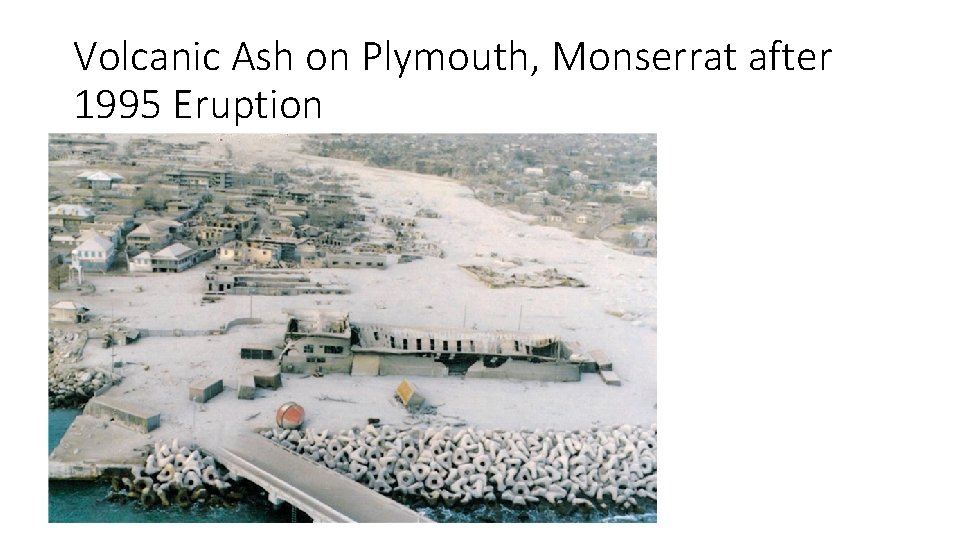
[581,467]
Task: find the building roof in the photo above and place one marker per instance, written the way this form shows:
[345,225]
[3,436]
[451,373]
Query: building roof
[99,175]
[156,226]
[67,304]
[95,243]
[71,210]
[143,255]
[174,251]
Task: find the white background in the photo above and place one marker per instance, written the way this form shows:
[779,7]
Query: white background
[807,308]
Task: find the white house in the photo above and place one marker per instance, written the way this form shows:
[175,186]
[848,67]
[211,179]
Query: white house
[174,258]
[578,176]
[96,253]
[141,263]
[100,180]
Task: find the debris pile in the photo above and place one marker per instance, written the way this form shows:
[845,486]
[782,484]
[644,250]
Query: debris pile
[72,388]
[495,279]
[580,468]
[68,386]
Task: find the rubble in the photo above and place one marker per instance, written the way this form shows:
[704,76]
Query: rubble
[497,279]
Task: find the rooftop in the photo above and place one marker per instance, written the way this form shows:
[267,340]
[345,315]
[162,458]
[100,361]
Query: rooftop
[175,251]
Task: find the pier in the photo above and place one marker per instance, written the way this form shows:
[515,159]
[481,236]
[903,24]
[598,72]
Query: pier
[324,495]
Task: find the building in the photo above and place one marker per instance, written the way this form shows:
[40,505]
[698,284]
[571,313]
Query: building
[327,342]
[69,216]
[125,222]
[212,178]
[265,284]
[533,171]
[108,230]
[153,234]
[553,218]
[143,262]
[182,209]
[207,235]
[581,219]
[319,341]
[99,180]
[397,221]
[97,254]
[66,311]
[578,176]
[355,260]
[249,253]
[174,258]
[644,190]
[242,224]
[66,146]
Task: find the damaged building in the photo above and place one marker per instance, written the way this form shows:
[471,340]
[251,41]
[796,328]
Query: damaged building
[327,342]
[265,283]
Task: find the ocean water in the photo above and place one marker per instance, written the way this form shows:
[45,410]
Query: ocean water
[91,502]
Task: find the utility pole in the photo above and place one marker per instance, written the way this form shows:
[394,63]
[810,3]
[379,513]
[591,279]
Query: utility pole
[520,318]
[464,315]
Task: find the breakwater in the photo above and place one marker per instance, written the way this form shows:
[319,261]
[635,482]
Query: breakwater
[582,468]
[179,475]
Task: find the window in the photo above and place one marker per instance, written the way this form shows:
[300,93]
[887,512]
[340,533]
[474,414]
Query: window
[472,348]
[431,344]
[376,335]
[404,343]
[446,345]
[333,349]
[419,344]
[516,345]
[459,347]
[393,343]
[308,348]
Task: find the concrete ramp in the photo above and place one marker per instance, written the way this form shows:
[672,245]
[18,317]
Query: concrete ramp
[324,495]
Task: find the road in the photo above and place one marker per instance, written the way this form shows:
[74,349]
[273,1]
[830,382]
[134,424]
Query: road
[324,495]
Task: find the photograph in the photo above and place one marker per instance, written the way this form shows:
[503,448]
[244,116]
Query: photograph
[455,328]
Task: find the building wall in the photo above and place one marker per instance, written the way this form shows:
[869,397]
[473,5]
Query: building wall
[352,260]
[142,265]
[99,261]
[63,315]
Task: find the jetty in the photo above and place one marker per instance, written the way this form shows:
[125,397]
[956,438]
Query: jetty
[324,495]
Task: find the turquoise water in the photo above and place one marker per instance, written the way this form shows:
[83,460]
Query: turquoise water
[91,502]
